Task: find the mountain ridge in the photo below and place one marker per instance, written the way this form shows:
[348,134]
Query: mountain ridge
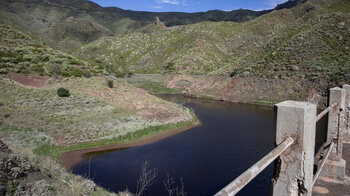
[306,44]
[35,17]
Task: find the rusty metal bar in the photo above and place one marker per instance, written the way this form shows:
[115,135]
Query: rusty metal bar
[324,112]
[323,163]
[235,186]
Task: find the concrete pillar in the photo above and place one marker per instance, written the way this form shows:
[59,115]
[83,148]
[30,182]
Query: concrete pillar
[346,88]
[294,170]
[335,165]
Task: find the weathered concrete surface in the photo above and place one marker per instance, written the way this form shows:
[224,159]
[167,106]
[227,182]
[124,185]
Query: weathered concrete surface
[295,171]
[346,88]
[335,165]
[329,187]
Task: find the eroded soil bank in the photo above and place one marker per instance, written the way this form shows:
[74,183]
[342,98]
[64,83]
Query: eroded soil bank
[70,158]
[252,90]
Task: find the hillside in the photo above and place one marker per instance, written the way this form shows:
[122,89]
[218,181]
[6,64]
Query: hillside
[46,18]
[22,54]
[37,123]
[73,33]
[307,45]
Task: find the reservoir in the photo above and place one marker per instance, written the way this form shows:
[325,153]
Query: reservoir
[231,138]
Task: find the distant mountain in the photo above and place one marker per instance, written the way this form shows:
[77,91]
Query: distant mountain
[308,44]
[41,17]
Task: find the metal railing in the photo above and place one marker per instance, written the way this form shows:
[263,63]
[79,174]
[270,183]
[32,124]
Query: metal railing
[296,121]
[235,186]
[323,162]
[324,112]
[331,145]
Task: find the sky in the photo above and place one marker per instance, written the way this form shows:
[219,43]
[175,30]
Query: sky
[189,5]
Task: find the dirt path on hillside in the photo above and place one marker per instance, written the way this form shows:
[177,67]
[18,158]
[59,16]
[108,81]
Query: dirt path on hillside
[69,159]
[33,81]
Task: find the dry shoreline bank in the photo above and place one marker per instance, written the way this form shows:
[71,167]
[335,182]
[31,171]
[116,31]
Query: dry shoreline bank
[70,158]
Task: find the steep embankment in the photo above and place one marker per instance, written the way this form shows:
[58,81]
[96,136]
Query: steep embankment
[289,52]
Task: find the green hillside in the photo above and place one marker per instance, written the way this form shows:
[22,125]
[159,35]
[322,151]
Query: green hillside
[47,18]
[73,33]
[307,43]
[22,54]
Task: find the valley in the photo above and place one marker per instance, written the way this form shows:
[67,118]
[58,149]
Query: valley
[76,77]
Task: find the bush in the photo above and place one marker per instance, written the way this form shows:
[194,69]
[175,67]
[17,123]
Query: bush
[56,68]
[110,83]
[120,74]
[86,74]
[76,72]
[62,92]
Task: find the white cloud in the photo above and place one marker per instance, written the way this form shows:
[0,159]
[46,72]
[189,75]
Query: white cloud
[172,2]
[157,7]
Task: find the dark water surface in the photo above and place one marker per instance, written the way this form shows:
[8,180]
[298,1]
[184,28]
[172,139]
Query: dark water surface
[232,138]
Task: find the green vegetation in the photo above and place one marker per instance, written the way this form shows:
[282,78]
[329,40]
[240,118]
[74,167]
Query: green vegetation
[305,45]
[154,87]
[62,92]
[85,21]
[55,151]
[73,33]
[27,173]
[21,54]
[110,83]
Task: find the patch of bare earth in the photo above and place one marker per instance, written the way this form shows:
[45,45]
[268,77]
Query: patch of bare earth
[33,81]
[239,89]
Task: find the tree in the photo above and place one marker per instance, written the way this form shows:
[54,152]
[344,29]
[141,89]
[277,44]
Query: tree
[170,184]
[146,178]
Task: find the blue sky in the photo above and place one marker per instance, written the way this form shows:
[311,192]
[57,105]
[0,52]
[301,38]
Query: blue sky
[189,5]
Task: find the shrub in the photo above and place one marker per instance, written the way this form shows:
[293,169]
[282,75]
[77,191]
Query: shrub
[76,72]
[120,74]
[27,57]
[46,57]
[56,68]
[130,73]
[110,83]
[86,74]
[62,92]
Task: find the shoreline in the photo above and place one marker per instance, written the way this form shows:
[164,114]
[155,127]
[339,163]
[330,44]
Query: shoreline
[69,159]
